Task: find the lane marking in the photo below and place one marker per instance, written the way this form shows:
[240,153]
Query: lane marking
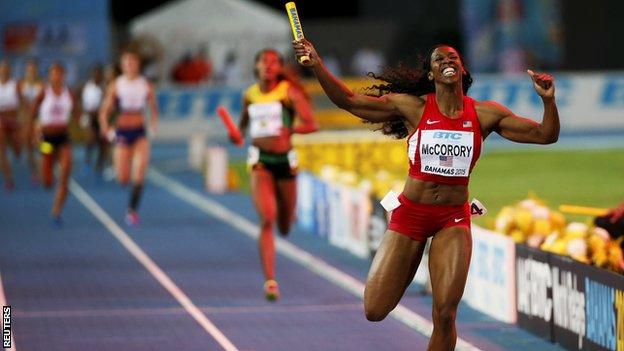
[306,259]
[97,211]
[3,302]
[116,312]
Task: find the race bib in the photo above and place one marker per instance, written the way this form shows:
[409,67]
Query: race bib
[265,119]
[446,152]
[58,114]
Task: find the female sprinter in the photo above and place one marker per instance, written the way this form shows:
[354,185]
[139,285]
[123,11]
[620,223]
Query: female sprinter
[270,108]
[30,87]
[92,94]
[447,129]
[55,107]
[132,92]
[10,101]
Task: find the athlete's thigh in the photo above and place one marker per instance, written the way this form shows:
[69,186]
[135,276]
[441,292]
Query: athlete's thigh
[65,161]
[16,141]
[122,158]
[140,158]
[4,139]
[263,192]
[449,261]
[47,169]
[392,270]
[286,199]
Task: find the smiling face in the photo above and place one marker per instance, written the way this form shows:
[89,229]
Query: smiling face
[268,66]
[446,65]
[130,64]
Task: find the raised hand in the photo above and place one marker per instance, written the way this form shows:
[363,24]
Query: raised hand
[543,83]
[303,47]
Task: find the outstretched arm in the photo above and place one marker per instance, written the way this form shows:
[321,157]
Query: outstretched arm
[498,118]
[304,112]
[374,109]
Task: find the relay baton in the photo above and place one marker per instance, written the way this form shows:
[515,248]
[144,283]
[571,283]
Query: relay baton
[295,25]
[235,134]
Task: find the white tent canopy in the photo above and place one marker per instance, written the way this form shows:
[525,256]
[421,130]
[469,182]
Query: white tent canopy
[221,26]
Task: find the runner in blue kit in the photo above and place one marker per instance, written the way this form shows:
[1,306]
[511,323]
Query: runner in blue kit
[132,94]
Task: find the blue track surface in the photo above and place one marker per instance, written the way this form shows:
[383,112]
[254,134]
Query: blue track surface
[78,288]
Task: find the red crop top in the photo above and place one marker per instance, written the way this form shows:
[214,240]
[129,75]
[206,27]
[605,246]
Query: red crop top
[442,149]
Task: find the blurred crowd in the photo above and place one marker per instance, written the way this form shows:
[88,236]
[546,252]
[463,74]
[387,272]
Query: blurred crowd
[598,242]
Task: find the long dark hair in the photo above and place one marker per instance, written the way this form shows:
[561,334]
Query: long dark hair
[403,79]
[281,76]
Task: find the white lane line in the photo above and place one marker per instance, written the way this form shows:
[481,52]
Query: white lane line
[3,302]
[179,310]
[150,265]
[309,261]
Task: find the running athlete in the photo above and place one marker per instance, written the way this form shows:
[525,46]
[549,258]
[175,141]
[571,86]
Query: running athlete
[270,109]
[132,92]
[30,86]
[55,108]
[444,130]
[92,94]
[10,101]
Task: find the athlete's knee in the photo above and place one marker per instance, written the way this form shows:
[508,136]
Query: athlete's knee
[375,313]
[123,180]
[373,310]
[444,315]
[47,183]
[64,183]
[284,228]
[267,222]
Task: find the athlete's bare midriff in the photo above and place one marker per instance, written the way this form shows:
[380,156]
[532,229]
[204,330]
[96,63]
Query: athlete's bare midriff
[54,129]
[8,114]
[431,193]
[130,121]
[280,144]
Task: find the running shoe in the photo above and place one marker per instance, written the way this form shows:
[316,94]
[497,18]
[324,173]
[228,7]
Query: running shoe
[271,290]
[132,218]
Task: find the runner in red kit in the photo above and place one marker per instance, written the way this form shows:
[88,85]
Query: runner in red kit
[274,108]
[445,129]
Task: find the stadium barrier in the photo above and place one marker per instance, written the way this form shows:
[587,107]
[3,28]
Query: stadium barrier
[338,213]
[576,305]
